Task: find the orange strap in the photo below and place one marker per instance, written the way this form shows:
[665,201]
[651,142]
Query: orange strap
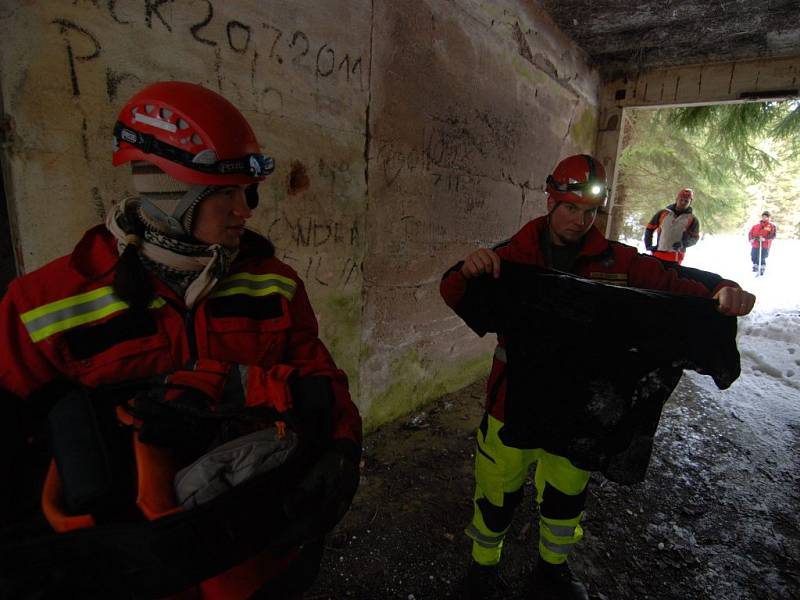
[53,505]
[155,472]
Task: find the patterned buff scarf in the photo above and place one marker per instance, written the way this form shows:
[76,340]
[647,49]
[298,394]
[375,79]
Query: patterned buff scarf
[191,269]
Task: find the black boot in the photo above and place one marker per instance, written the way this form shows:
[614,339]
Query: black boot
[556,582]
[483,582]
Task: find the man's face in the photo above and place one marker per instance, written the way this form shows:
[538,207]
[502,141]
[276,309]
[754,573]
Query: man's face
[221,217]
[764,218]
[569,222]
[683,202]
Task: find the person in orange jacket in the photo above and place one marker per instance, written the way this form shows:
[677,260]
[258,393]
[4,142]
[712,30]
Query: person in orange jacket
[564,240]
[677,228]
[760,236]
[173,282]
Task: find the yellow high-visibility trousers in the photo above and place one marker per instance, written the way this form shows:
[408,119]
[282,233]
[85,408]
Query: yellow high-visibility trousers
[500,473]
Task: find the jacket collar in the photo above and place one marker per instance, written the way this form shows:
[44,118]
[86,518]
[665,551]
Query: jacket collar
[593,243]
[674,208]
[96,253]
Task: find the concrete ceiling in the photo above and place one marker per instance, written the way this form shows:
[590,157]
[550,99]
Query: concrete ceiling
[623,38]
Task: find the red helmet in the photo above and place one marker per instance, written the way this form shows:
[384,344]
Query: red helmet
[685,193]
[578,179]
[191,133]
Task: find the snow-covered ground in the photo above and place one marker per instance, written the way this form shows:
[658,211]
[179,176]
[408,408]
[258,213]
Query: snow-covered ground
[769,338]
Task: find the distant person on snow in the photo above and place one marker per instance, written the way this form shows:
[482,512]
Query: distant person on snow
[761,236]
[564,240]
[677,229]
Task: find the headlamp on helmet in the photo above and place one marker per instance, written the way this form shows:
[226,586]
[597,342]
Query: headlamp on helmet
[578,179]
[191,133]
[256,166]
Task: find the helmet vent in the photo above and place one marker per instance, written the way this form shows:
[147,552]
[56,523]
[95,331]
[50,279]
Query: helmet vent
[165,113]
[182,124]
[196,139]
[148,108]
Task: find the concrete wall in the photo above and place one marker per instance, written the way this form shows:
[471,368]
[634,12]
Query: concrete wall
[406,133]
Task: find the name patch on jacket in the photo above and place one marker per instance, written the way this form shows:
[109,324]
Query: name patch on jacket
[609,278]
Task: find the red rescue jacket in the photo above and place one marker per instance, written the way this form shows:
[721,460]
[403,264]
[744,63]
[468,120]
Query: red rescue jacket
[63,321]
[767,230]
[599,259]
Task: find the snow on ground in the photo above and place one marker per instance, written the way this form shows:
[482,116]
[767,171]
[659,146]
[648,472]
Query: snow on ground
[769,338]
[768,390]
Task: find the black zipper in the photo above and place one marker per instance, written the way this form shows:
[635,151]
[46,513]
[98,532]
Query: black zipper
[188,323]
[191,335]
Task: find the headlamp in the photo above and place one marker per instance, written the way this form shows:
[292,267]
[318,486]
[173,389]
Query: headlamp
[594,189]
[251,165]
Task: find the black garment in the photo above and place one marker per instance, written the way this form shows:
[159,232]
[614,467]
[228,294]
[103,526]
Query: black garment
[590,365]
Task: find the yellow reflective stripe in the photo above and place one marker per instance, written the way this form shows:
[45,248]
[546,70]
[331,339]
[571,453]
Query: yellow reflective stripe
[556,548]
[52,318]
[484,540]
[66,303]
[252,284]
[562,531]
[94,315]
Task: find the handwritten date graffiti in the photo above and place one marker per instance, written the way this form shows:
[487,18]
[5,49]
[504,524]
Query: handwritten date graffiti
[257,39]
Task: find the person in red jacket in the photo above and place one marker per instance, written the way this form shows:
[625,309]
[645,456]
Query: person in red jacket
[760,236]
[175,282]
[677,229]
[565,240]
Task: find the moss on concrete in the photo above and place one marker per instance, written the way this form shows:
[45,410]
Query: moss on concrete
[340,329]
[415,381]
[584,130]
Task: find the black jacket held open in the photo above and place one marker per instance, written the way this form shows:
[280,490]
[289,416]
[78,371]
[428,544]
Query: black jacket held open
[591,365]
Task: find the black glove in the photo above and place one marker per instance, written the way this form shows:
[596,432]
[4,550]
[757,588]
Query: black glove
[323,496]
[651,248]
[332,482]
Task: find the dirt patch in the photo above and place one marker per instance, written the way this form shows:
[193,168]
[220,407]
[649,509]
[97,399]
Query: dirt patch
[716,517]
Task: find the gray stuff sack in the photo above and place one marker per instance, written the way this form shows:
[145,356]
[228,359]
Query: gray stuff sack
[232,463]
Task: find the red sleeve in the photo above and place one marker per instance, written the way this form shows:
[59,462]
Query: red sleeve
[309,356]
[519,248]
[23,367]
[648,273]
[752,234]
[453,285]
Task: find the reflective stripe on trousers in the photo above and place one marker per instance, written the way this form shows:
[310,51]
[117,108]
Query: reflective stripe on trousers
[500,470]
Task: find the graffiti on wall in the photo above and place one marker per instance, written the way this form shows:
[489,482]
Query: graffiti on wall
[454,157]
[252,58]
[263,44]
[323,250]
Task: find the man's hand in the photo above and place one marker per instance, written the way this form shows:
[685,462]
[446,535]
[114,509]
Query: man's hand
[734,302]
[677,246]
[479,262]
